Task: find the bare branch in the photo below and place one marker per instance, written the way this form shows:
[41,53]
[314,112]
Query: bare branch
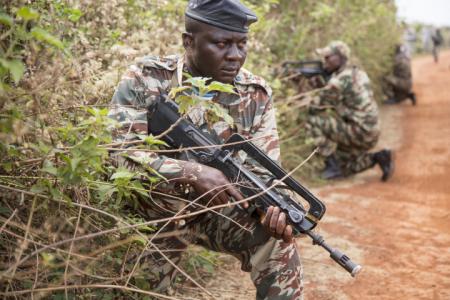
[87,286]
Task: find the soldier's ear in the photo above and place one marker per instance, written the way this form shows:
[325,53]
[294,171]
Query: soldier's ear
[343,60]
[188,40]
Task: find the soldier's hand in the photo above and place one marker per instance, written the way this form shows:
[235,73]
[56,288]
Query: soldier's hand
[316,82]
[213,183]
[275,223]
[391,79]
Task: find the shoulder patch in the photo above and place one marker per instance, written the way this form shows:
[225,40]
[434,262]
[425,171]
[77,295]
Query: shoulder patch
[151,61]
[246,78]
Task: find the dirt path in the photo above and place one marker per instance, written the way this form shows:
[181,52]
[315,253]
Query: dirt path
[400,230]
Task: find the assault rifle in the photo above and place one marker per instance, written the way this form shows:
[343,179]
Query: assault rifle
[179,133]
[307,68]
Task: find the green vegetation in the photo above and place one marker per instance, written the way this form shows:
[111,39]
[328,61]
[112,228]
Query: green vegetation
[59,64]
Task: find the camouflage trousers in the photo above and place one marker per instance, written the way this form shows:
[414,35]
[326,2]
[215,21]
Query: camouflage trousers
[399,90]
[274,265]
[349,143]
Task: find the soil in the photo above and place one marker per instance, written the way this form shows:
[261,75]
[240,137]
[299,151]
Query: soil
[399,231]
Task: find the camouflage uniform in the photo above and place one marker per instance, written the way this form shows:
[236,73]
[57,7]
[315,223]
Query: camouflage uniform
[436,40]
[274,265]
[349,127]
[399,84]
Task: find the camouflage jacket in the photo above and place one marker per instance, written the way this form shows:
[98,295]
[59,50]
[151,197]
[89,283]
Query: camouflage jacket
[402,76]
[349,93]
[251,109]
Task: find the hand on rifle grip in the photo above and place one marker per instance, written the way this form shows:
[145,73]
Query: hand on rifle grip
[275,223]
[212,183]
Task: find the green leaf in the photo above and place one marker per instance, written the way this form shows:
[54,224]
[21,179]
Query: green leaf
[89,147]
[184,102]
[15,67]
[208,267]
[6,19]
[322,11]
[74,14]
[27,284]
[221,87]
[228,119]
[150,140]
[140,239]
[58,296]
[48,259]
[39,188]
[105,296]
[43,36]
[142,283]
[174,91]
[42,147]
[154,179]
[27,13]
[75,162]
[57,194]
[103,112]
[216,112]
[105,191]
[48,167]
[5,210]
[187,75]
[8,166]
[122,173]
[198,82]
[92,110]
[139,188]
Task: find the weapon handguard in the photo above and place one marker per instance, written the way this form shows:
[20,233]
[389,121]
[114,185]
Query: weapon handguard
[162,116]
[308,68]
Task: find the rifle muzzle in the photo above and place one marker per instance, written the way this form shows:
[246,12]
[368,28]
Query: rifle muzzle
[345,262]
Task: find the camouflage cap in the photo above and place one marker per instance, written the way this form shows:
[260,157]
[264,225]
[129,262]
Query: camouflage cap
[335,47]
[230,15]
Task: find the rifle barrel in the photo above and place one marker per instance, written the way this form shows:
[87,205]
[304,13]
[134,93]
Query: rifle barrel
[339,257]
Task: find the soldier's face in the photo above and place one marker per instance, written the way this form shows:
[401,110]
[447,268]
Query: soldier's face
[332,62]
[216,53]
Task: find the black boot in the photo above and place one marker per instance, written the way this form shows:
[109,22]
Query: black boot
[412,96]
[332,169]
[385,160]
[391,101]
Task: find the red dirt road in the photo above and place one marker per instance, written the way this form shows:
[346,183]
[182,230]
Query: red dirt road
[400,230]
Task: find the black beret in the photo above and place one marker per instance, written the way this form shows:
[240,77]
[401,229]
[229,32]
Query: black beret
[230,15]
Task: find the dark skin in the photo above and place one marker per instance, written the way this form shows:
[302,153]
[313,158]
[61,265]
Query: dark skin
[219,54]
[333,62]
[214,52]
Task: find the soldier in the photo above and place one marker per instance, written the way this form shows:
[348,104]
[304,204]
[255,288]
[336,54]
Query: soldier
[437,41]
[343,120]
[215,44]
[399,84]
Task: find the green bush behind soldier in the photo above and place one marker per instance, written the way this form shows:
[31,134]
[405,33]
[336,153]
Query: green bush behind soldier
[215,46]
[343,118]
[398,85]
